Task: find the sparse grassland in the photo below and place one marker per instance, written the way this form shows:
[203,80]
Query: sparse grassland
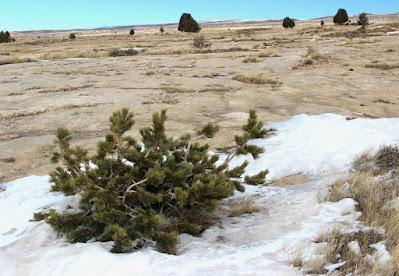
[202,83]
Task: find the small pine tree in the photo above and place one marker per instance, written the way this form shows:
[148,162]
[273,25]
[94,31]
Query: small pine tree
[363,20]
[72,36]
[341,17]
[131,32]
[151,190]
[322,23]
[288,23]
[161,30]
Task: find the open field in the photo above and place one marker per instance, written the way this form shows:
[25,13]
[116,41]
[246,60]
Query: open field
[74,83]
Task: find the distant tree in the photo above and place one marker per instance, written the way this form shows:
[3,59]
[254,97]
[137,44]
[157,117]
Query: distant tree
[363,20]
[341,17]
[131,32]
[162,30]
[288,23]
[72,36]
[322,23]
[5,37]
[188,24]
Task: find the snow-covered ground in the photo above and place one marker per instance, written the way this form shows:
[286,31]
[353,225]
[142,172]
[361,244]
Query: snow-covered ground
[320,147]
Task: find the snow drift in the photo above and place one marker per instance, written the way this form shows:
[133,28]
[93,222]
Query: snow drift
[320,147]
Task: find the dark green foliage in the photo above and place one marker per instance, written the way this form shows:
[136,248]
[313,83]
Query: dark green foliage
[341,17]
[5,37]
[288,23]
[257,179]
[132,192]
[161,29]
[131,32]
[363,20]
[188,24]
[72,36]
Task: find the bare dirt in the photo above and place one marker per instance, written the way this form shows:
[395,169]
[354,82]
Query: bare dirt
[74,84]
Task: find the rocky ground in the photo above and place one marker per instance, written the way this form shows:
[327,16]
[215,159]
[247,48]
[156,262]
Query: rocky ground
[73,83]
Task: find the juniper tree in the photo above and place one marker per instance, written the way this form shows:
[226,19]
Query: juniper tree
[288,23]
[363,20]
[142,193]
[5,37]
[341,17]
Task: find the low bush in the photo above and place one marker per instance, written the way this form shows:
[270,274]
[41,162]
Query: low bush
[200,42]
[123,52]
[72,36]
[145,193]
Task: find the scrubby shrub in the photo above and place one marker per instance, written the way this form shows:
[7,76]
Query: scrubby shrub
[341,17]
[137,193]
[387,158]
[131,32]
[5,37]
[123,52]
[363,20]
[161,30]
[72,36]
[188,24]
[322,23]
[200,42]
[288,23]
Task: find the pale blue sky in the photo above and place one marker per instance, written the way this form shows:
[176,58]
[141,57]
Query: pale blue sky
[64,14]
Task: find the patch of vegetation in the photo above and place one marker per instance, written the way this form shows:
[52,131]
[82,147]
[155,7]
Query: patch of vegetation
[244,205]
[161,29]
[131,32]
[311,57]
[188,24]
[374,185]
[123,52]
[250,59]
[144,193]
[72,36]
[5,37]
[256,79]
[288,23]
[363,20]
[341,17]
[200,42]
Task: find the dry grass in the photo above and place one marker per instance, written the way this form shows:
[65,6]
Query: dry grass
[15,59]
[243,205]
[200,42]
[269,53]
[123,52]
[374,185]
[311,58]
[256,79]
[382,66]
[250,59]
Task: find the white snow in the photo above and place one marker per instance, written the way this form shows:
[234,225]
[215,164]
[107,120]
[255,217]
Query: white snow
[320,147]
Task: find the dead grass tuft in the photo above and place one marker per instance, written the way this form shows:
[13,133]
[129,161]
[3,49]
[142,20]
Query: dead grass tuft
[250,59]
[383,66]
[243,205]
[257,79]
[15,60]
[311,58]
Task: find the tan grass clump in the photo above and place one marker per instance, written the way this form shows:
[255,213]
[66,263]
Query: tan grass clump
[15,60]
[311,58]
[256,79]
[244,205]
